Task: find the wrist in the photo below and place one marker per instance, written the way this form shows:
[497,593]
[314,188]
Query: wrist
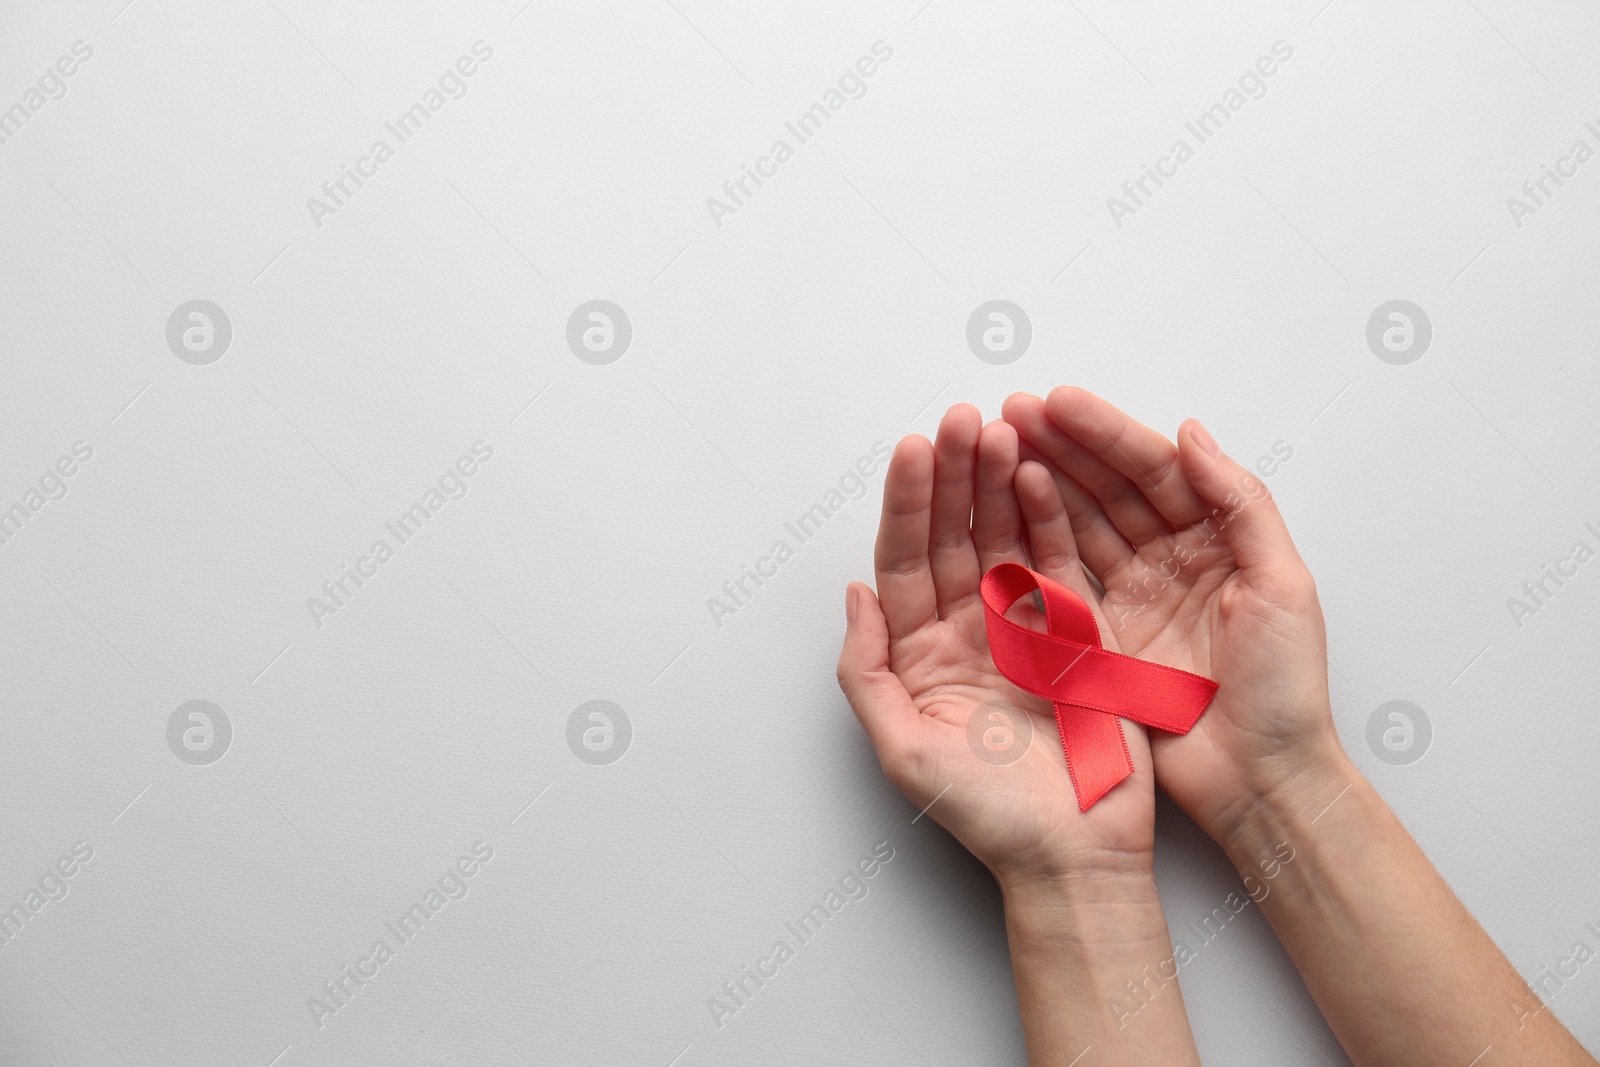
[1094,968]
[1084,910]
[1061,866]
[1285,806]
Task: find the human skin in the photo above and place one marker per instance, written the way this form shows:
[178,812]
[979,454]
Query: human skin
[1082,914]
[1231,599]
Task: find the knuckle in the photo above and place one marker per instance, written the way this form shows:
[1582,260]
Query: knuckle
[903,568]
[1057,559]
[1162,471]
[1288,588]
[900,761]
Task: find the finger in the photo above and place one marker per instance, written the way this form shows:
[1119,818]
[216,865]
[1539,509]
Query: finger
[1052,546]
[950,552]
[1146,458]
[905,580]
[876,694]
[1242,510]
[1101,545]
[996,519]
[1134,517]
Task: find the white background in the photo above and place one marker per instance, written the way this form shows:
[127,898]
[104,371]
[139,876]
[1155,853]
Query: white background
[768,354]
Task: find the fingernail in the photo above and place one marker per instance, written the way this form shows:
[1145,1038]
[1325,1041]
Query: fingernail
[1202,437]
[851,601]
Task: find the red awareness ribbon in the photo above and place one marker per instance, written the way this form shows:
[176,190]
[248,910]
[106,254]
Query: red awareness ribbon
[1089,685]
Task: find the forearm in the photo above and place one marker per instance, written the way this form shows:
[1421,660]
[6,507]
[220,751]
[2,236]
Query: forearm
[1399,967]
[1075,948]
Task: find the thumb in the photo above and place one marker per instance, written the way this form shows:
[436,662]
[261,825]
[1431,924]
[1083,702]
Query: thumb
[875,692]
[1242,509]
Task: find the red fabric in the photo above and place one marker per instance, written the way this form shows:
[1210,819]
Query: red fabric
[1089,686]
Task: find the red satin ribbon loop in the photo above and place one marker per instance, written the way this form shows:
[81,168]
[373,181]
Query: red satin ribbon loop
[1089,685]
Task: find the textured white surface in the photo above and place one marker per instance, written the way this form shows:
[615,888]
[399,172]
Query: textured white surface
[825,314]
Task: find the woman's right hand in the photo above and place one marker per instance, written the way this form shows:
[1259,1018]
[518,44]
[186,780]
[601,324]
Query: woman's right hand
[1199,573]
